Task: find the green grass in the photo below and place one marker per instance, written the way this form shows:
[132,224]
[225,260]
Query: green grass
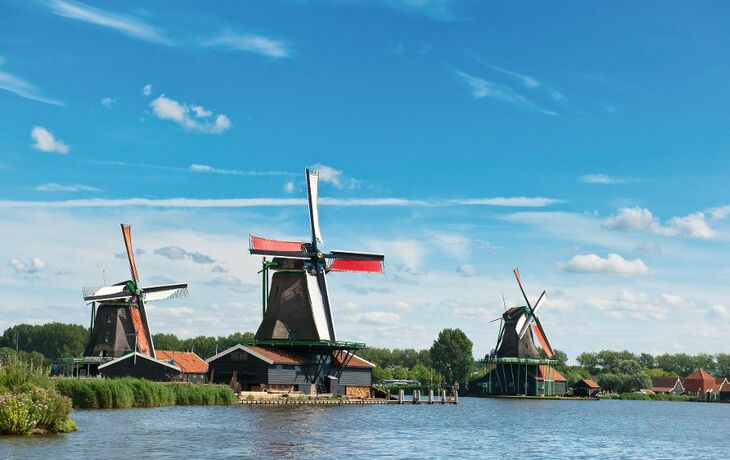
[30,403]
[654,397]
[130,392]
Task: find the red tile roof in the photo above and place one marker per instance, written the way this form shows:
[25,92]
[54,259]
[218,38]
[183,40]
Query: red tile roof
[590,383]
[355,361]
[545,370]
[276,356]
[699,381]
[187,361]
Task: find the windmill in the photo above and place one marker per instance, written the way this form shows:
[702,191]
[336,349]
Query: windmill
[119,320]
[298,306]
[298,317]
[515,366]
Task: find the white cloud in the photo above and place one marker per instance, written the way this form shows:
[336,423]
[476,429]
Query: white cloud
[46,142]
[289,187]
[169,109]
[614,264]
[401,305]
[453,244]
[694,225]
[250,43]
[127,25]
[35,265]
[406,252]
[525,79]
[468,270]
[73,188]
[330,175]
[375,317]
[648,247]
[22,88]
[603,179]
[719,312]
[482,88]
[108,102]
[147,89]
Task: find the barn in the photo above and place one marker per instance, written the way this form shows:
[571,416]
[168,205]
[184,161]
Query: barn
[193,368]
[274,369]
[667,385]
[586,388]
[141,366]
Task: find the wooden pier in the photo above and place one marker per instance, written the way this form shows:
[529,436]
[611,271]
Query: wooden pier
[400,399]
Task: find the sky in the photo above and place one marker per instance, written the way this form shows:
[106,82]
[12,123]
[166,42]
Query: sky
[586,143]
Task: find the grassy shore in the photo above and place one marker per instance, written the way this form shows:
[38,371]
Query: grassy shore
[654,397]
[130,392]
[29,402]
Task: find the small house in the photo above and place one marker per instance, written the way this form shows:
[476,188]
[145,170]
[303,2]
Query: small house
[193,368]
[141,366]
[586,388]
[723,393]
[699,382]
[357,374]
[550,382]
[667,385]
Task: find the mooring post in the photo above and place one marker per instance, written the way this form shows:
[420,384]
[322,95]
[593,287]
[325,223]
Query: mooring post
[430,396]
[387,395]
[416,396]
[401,394]
[443,396]
[456,397]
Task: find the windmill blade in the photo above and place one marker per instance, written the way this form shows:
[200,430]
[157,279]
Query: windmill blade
[277,248]
[165,292]
[106,293]
[127,235]
[319,301]
[346,261]
[530,316]
[540,333]
[313,195]
[516,271]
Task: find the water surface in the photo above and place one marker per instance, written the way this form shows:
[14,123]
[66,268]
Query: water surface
[487,428]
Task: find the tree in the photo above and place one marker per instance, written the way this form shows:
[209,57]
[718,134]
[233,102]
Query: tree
[589,361]
[646,360]
[723,365]
[451,355]
[52,340]
[381,373]
[164,341]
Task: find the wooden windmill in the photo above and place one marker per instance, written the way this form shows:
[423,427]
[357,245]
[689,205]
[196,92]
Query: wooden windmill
[119,320]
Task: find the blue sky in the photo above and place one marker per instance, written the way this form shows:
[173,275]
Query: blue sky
[586,143]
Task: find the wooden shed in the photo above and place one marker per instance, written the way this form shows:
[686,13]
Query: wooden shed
[586,388]
[667,385]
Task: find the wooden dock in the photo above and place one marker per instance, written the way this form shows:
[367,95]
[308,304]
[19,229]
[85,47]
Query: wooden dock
[320,401]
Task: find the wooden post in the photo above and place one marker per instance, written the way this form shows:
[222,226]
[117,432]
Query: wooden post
[443,396]
[415,397]
[401,394]
[387,395]
[430,396]
[456,397]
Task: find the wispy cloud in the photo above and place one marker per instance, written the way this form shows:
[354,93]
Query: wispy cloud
[127,25]
[207,169]
[31,267]
[260,202]
[192,117]
[515,201]
[330,175]
[604,179]
[44,141]
[22,88]
[250,43]
[178,253]
[108,102]
[439,10]
[482,88]
[72,188]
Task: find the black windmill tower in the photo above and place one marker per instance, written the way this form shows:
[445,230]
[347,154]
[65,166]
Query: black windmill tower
[119,322]
[297,310]
[516,366]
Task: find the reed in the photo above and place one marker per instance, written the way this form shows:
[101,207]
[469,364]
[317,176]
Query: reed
[131,392]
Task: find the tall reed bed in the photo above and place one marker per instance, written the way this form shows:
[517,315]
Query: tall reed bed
[131,392]
[29,401]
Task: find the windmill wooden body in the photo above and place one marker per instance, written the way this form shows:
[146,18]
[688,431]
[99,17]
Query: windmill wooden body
[516,366]
[297,310]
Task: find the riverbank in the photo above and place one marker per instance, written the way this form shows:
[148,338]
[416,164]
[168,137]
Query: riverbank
[125,393]
[30,403]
